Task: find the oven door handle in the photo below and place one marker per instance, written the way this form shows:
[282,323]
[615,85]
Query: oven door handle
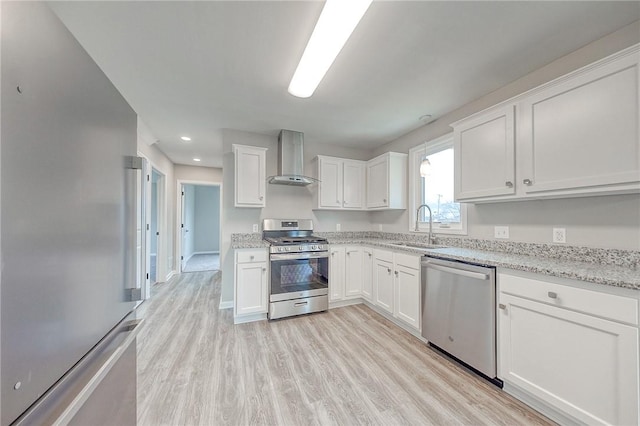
[300,256]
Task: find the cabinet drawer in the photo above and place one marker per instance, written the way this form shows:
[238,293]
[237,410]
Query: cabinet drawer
[408,260]
[385,255]
[609,306]
[246,256]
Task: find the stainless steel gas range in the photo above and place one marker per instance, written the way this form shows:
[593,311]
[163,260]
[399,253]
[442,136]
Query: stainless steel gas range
[299,281]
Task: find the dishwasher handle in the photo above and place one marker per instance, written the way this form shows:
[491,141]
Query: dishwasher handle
[456,271]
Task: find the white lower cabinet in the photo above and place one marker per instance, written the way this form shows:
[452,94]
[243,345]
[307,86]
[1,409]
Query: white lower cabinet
[572,348]
[251,283]
[396,278]
[336,273]
[353,271]
[367,273]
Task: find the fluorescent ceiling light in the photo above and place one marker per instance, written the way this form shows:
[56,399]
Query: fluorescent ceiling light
[336,23]
[185,138]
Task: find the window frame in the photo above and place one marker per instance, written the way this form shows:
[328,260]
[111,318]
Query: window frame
[415,158]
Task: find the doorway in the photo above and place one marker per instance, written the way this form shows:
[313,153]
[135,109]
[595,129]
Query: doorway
[154,232]
[199,227]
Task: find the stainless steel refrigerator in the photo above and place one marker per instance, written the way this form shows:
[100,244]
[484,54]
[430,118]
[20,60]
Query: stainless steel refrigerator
[67,229]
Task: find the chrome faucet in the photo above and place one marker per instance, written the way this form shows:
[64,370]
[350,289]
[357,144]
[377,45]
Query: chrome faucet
[430,221]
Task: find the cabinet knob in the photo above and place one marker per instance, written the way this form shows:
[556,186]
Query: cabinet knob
[509,184]
[527,181]
[264,269]
[502,306]
[251,257]
[384,200]
[552,295]
[333,253]
[388,270]
[395,272]
[261,198]
[369,254]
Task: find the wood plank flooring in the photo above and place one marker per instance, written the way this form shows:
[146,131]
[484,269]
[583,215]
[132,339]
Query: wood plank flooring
[347,366]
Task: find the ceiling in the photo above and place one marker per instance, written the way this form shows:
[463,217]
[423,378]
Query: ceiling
[195,68]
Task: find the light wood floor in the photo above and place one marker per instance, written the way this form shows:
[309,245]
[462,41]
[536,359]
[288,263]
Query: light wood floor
[347,366]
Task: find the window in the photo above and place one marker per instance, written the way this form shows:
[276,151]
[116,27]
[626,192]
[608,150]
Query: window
[435,188]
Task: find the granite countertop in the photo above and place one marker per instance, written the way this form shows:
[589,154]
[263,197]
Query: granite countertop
[599,273]
[612,267]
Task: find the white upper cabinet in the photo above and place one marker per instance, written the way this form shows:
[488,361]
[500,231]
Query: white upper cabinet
[484,155]
[250,176]
[342,183]
[387,181]
[575,136]
[581,135]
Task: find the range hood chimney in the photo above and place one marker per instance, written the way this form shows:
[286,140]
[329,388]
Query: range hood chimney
[291,160]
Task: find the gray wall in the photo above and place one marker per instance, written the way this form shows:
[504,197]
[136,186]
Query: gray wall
[605,221]
[207,219]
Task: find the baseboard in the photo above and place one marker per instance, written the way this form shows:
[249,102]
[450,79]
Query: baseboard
[226,305]
[540,406]
[342,303]
[249,318]
[394,320]
[170,275]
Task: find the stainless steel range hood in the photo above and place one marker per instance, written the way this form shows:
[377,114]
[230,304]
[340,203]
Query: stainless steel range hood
[291,160]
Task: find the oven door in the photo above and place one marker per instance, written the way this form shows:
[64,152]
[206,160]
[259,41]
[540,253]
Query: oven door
[296,275]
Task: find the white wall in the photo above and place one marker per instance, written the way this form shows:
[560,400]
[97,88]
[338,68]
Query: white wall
[159,161]
[606,221]
[207,219]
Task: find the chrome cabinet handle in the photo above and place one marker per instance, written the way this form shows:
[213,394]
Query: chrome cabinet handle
[333,253]
[552,294]
[369,254]
[261,198]
[264,269]
[388,270]
[509,184]
[527,181]
[395,272]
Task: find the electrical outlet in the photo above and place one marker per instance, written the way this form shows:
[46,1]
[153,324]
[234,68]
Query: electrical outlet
[501,231]
[255,227]
[559,235]
[338,226]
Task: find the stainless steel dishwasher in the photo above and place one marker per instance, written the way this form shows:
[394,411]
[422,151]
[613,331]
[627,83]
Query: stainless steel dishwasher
[459,312]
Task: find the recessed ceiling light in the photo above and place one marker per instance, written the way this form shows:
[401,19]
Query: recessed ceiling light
[334,27]
[196,159]
[185,138]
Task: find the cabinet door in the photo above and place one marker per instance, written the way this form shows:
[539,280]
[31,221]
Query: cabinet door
[330,186]
[353,184]
[250,176]
[353,272]
[583,133]
[407,295]
[383,283]
[378,182]
[583,365]
[367,273]
[484,155]
[336,273]
[251,288]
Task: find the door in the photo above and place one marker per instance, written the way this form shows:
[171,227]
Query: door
[353,272]
[353,184]
[581,364]
[408,295]
[383,283]
[183,229]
